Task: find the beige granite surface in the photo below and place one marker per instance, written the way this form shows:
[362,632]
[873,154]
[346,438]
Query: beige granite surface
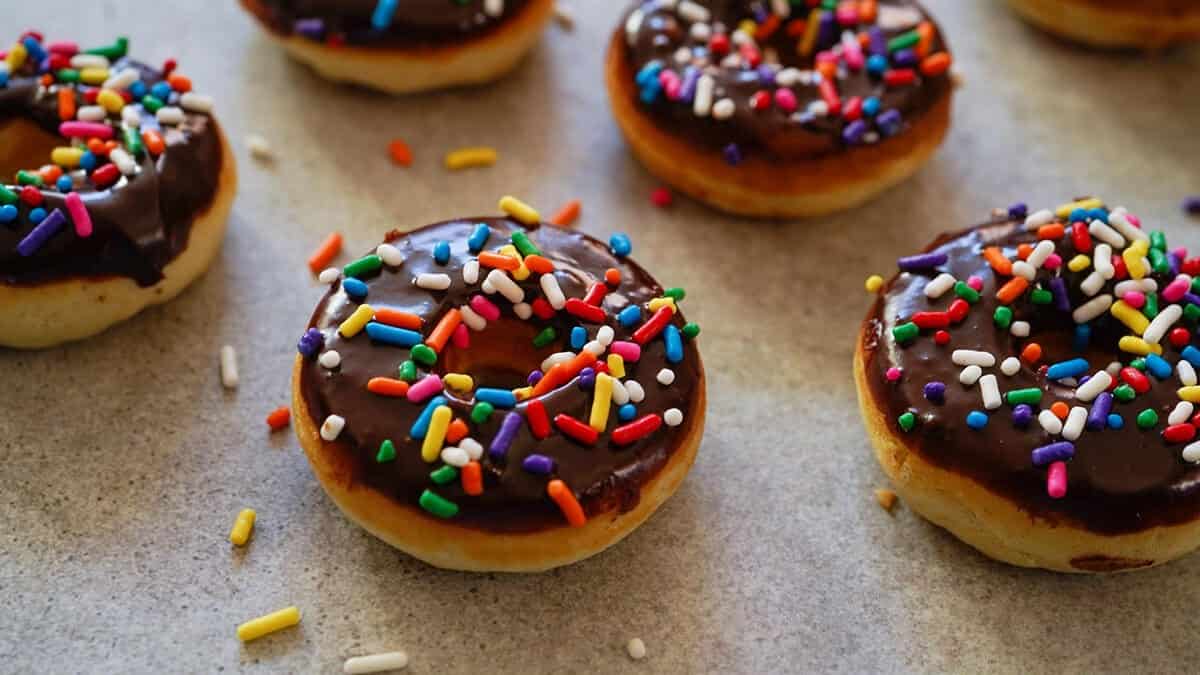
[123,462]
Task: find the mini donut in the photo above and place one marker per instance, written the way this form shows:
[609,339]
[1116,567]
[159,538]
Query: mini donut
[405,46]
[769,109]
[498,394]
[130,202]
[1030,385]
[1116,24]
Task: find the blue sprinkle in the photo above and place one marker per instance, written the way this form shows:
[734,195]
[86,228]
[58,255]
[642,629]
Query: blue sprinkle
[421,426]
[87,161]
[34,48]
[877,64]
[889,122]
[1158,366]
[8,213]
[3,78]
[977,420]
[1078,216]
[354,288]
[578,337]
[441,252]
[37,215]
[1065,369]
[648,74]
[627,412]
[1083,335]
[732,154]
[138,90]
[1099,214]
[1115,421]
[391,335]
[1191,354]
[479,238]
[161,90]
[871,106]
[674,343]
[620,244]
[64,184]
[500,398]
[630,316]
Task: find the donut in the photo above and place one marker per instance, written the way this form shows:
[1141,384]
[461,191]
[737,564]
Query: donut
[499,394]
[780,109]
[122,184]
[405,46]
[1115,24]
[1029,384]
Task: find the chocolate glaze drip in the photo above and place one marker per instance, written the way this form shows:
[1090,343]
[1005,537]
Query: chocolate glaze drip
[1120,481]
[142,222]
[415,23]
[604,477]
[662,32]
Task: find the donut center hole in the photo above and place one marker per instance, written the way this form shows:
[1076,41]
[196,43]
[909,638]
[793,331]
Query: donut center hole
[24,145]
[1059,345]
[501,356]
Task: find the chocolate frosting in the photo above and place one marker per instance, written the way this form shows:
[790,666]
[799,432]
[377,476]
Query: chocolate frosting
[142,222]
[1119,481]
[660,30]
[415,22]
[604,477]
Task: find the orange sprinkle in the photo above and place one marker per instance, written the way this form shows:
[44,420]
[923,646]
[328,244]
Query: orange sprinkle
[47,80]
[538,265]
[154,141]
[279,418]
[386,386]
[867,11]
[828,69]
[325,253]
[66,104]
[932,66]
[796,27]
[1051,231]
[925,30]
[1032,352]
[179,83]
[502,262]
[50,173]
[568,214]
[560,373]
[1012,289]
[1024,250]
[864,40]
[612,276]
[97,147]
[394,317]
[472,479]
[767,28]
[996,259]
[109,146]
[1060,410]
[457,430]
[441,333]
[567,503]
[400,152]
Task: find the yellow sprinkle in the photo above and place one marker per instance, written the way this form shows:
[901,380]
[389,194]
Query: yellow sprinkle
[66,157]
[616,365]
[1129,316]
[265,625]
[809,40]
[522,272]
[658,303]
[240,533]
[1136,345]
[470,158]
[1079,263]
[1189,394]
[519,210]
[354,324]
[459,381]
[523,393]
[1066,209]
[601,401]
[874,283]
[1133,258]
[431,448]
[110,100]
[16,57]
[93,75]
[748,26]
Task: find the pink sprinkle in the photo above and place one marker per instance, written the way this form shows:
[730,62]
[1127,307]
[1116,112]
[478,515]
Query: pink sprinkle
[671,84]
[425,389]
[1056,480]
[893,374]
[826,57]
[485,308]
[975,282]
[79,215]
[85,130]
[786,99]
[1053,262]
[661,197]
[461,338]
[1180,252]
[630,351]
[1135,299]
[1176,289]
[63,47]
[847,14]
[1134,220]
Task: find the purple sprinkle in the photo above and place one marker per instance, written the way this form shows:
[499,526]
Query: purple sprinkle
[504,438]
[1018,211]
[1055,452]
[766,75]
[1098,415]
[905,58]
[1022,415]
[827,35]
[922,261]
[41,234]
[1058,286]
[587,378]
[535,376]
[854,131]
[733,154]
[539,464]
[1192,205]
[1173,263]
[889,122]
[687,91]
[310,28]
[935,391]
[878,43]
[1192,298]
[311,343]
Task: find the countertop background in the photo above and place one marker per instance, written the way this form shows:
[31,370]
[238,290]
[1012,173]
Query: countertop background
[123,462]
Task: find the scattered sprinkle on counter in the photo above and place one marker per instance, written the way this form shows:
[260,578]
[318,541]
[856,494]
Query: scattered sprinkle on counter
[268,623]
[661,197]
[242,527]
[400,153]
[471,158]
[568,214]
[279,418]
[325,253]
[229,367]
[259,148]
[636,649]
[375,663]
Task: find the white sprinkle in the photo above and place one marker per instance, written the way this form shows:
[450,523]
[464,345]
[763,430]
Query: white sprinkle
[636,393]
[1020,329]
[1106,234]
[1010,366]
[972,357]
[564,17]
[1038,219]
[507,287]
[1192,453]
[131,116]
[633,25]
[523,310]
[1089,390]
[81,61]
[330,359]
[1102,261]
[939,285]
[1024,270]
[701,32]
[1162,323]
[673,417]
[91,113]
[665,377]
[683,56]
[194,102]
[724,109]
[555,359]
[332,427]
[375,663]
[455,456]
[636,649]
[783,8]
[1121,224]
[432,282]
[1146,285]
[493,7]
[229,369]
[121,80]
[473,320]
[390,255]
[1076,419]
[970,375]
[788,77]
[1181,413]
[620,395]
[329,275]
[703,102]
[605,335]
[1093,283]
[472,447]
[471,272]
[259,147]
[1050,422]
[554,294]
[1040,253]
[690,11]
[124,161]
[1092,308]
[818,108]
[169,115]
[990,389]
[595,348]
[1186,373]
[1113,368]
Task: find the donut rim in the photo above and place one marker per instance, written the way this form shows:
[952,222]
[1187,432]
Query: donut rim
[1111,28]
[407,70]
[445,544]
[760,187]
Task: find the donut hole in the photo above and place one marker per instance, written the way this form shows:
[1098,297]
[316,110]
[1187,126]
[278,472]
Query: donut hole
[24,145]
[1057,343]
[501,356]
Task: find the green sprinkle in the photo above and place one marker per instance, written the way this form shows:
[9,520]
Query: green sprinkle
[1018,396]
[903,41]
[482,412]
[545,337]
[423,355]
[962,290]
[905,332]
[387,452]
[443,475]
[1196,285]
[1150,309]
[28,178]
[408,371]
[1158,260]
[7,196]
[691,330]
[1002,317]
[524,246]
[1124,393]
[112,52]
[438,506]
[828,5]
[677,293]
[1147,419]
[152,103]
[1041,296]
[907,421]
[133,141]
[67,75]
[1191,313]
[1138,363]
[1158,240]
[365,266]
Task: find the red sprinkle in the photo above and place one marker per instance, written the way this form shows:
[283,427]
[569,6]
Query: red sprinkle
[655,325]
[761,100]
[106,175]
[576,429]
[941,337]
[542,309]
[854,109]
[1136,379]
[931,319]
[595,294]
[279,418]
[1179,433]
[899,77]
[31,195]
[958,310]
[661,197]
[1080,237]
[539,422]
[590,313]
[1179,337]
[637,429]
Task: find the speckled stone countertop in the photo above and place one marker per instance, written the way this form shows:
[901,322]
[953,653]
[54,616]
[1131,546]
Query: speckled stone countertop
[123,462]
